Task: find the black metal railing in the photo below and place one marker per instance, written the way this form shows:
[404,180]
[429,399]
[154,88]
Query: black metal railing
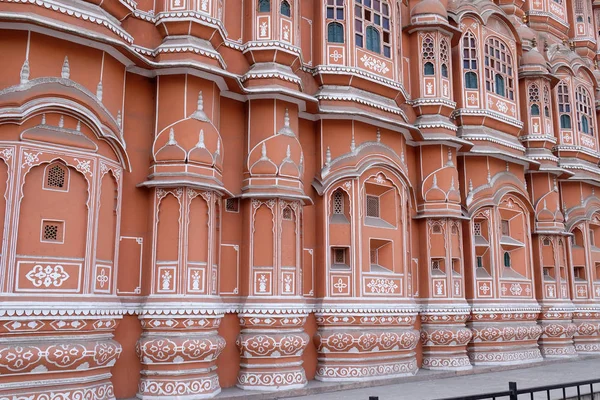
[573,390]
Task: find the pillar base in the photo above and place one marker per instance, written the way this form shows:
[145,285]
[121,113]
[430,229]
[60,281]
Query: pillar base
[444,337]
[354,347]
[193,388]
[75,389]
[271,347]
[51,348]
[179,354]
[558,329]
[587,336]
[504,337]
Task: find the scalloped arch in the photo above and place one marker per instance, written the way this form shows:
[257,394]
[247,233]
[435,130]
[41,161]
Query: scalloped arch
[45,95]
[501,185]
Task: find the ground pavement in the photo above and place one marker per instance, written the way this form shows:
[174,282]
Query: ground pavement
[428,385]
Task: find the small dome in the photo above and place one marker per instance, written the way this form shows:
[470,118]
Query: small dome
[533,57]
[429,7]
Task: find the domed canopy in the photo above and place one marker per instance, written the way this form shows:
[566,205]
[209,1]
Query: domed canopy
[533,57]
[429,7]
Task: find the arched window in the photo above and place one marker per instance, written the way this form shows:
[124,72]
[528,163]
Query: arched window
[374,14]
[338,202]
[507,259]
[428,69]
[428,55]
[373,40]
[534,100]
[535,110]
[264,6]
[444,56]
[471,80]
[584,110]
[335,9]
[56,177]
[285,9]
[564,105]
[585,125]
[335,32]
[546,101]
[469,45]
[565,121]
[499,77]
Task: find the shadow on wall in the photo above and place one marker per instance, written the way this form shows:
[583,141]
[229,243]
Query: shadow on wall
[126,372]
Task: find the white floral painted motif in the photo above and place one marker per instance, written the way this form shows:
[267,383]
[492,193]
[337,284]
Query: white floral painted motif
[47,276]
[374,64]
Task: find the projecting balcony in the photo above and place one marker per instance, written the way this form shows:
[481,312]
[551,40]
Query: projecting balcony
[509,243]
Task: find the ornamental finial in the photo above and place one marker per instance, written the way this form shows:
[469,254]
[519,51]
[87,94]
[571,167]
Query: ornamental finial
[66,71]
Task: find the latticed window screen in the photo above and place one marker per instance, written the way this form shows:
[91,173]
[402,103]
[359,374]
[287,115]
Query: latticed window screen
[444,56]
[428,53]
[477,229]
[534,99]
[56,177]
[339,256]
[584,111]
[232,205]
[52,231]
[436,228]
[435,264]
[546,102]
[338,202]
[428,50]
[287,214]
[546,242]
[499,76]
[373,206]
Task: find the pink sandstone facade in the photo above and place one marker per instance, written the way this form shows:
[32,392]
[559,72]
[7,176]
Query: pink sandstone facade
[199,194]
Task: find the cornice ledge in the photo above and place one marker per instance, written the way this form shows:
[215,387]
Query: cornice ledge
[97,16]
[269,44]
[44,309]
[487,113]
[338,69]
[167,16]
